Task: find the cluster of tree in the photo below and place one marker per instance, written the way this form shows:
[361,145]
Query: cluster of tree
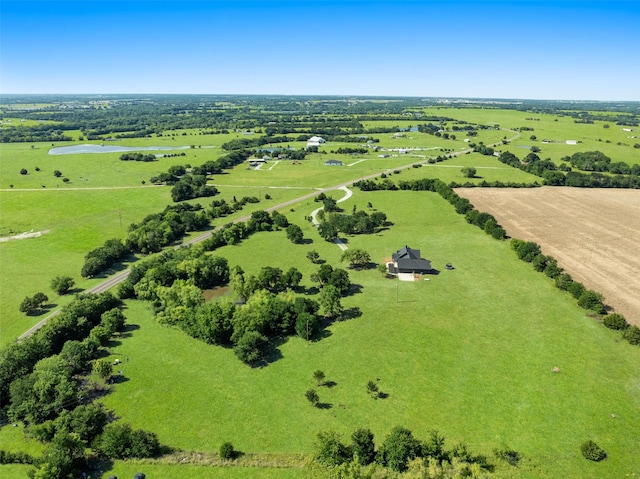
[75,322]
[189,265]
[483,149]
[43,383]
[190,187]
[137,157]
[597,161]
[360,222]
[103,257]
[220,208]
[234,233]
[211,167]
[162,229]
[353,139]
[32,134]
[174,281]
[400,451]
[31,304]
[549,172]
[351,151]
[244,143]
[429,128]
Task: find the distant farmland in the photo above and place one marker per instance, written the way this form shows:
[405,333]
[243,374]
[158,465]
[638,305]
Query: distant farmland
[593,233]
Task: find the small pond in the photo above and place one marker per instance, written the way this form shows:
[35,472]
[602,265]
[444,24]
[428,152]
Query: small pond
[70,150]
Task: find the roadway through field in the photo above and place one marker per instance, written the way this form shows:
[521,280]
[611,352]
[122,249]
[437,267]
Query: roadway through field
[121,276]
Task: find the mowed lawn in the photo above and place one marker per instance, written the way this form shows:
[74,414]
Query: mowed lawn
[469,352]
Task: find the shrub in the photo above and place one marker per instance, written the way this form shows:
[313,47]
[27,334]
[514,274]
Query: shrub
[62,284]
[591,300]
[227,451]
[252,347]
[593,452]
[508,455]
[615,321]
[632,334]
[312,397]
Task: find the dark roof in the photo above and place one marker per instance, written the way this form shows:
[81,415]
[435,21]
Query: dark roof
[406,253]
[409,260]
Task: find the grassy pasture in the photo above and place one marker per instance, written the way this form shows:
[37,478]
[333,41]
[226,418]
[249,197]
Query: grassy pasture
[79,221]
[469,353]
[556,129]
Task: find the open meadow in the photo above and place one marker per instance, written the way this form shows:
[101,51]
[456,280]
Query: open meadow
[489,353]
[469,352]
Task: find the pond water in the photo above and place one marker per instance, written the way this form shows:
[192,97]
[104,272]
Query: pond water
[209,294]
[70,150]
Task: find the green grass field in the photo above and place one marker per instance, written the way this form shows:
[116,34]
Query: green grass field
[469,352]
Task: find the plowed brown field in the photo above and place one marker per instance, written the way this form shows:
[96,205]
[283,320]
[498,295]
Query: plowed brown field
[593,233]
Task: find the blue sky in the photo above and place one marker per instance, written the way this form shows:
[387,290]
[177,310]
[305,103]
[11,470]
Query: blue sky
[572,50]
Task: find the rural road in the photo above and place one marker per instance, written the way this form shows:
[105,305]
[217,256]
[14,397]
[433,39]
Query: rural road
[121,276]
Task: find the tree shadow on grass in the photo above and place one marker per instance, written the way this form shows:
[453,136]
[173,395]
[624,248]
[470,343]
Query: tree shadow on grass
[128,330]
[119,379]
[324,405]
[351,313]
[44,309]
[329,384]
[354,289]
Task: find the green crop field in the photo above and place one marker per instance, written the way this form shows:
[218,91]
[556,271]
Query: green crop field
[469,351]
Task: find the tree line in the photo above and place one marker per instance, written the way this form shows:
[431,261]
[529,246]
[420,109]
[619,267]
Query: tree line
[45,382]
[554,176]
[591,300]
[398,454]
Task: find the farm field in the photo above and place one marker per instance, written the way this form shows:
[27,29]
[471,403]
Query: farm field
[593,233]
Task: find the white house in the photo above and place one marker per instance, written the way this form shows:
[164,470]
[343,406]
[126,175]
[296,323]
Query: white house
[572,142]
[316,139]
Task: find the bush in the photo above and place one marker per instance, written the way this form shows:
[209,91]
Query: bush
[62,284]
[632,334]
[120,441]
[615,321]
[593,452]
[312,397]
[591,300]
[508,455]
[251,348]
[227,451]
